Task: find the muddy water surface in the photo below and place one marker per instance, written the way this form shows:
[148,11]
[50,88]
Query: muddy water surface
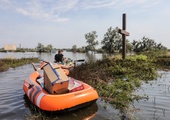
[13,104]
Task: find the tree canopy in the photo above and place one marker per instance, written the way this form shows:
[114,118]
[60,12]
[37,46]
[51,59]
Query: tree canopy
[146,44]
[91,40]
[41,48]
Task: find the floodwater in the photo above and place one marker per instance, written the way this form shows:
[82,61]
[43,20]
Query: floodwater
[157,107]
[15,106]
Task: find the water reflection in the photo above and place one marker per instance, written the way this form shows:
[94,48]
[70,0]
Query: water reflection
[157,107]
[80,114]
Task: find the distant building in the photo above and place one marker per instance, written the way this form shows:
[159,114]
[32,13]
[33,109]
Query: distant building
[10,47]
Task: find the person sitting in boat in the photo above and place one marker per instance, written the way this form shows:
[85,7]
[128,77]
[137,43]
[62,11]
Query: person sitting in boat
[65,63]
[59,58]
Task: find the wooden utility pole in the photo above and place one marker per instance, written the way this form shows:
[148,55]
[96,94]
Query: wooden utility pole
[124,34]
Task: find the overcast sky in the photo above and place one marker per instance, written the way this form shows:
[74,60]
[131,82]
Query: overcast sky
[63,23]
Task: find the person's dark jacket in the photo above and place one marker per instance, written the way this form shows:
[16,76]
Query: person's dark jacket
[59,58]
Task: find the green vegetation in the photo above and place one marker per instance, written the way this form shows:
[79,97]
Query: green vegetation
[6,63]
[116,79]
[91,40]
[112,43]
[41,48]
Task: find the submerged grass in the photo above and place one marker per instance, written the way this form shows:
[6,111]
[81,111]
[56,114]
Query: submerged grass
[116,79]
[6,63]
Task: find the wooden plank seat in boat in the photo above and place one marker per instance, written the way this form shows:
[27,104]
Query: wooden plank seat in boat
[55,80]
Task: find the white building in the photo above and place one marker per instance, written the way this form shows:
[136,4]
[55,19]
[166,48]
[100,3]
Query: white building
[10,47]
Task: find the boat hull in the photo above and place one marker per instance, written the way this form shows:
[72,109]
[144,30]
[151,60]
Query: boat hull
[49,102]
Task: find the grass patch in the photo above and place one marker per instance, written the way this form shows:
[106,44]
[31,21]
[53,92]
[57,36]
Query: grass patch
[6,63]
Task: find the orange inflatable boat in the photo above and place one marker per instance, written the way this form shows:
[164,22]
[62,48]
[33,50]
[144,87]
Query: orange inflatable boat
[55,91]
